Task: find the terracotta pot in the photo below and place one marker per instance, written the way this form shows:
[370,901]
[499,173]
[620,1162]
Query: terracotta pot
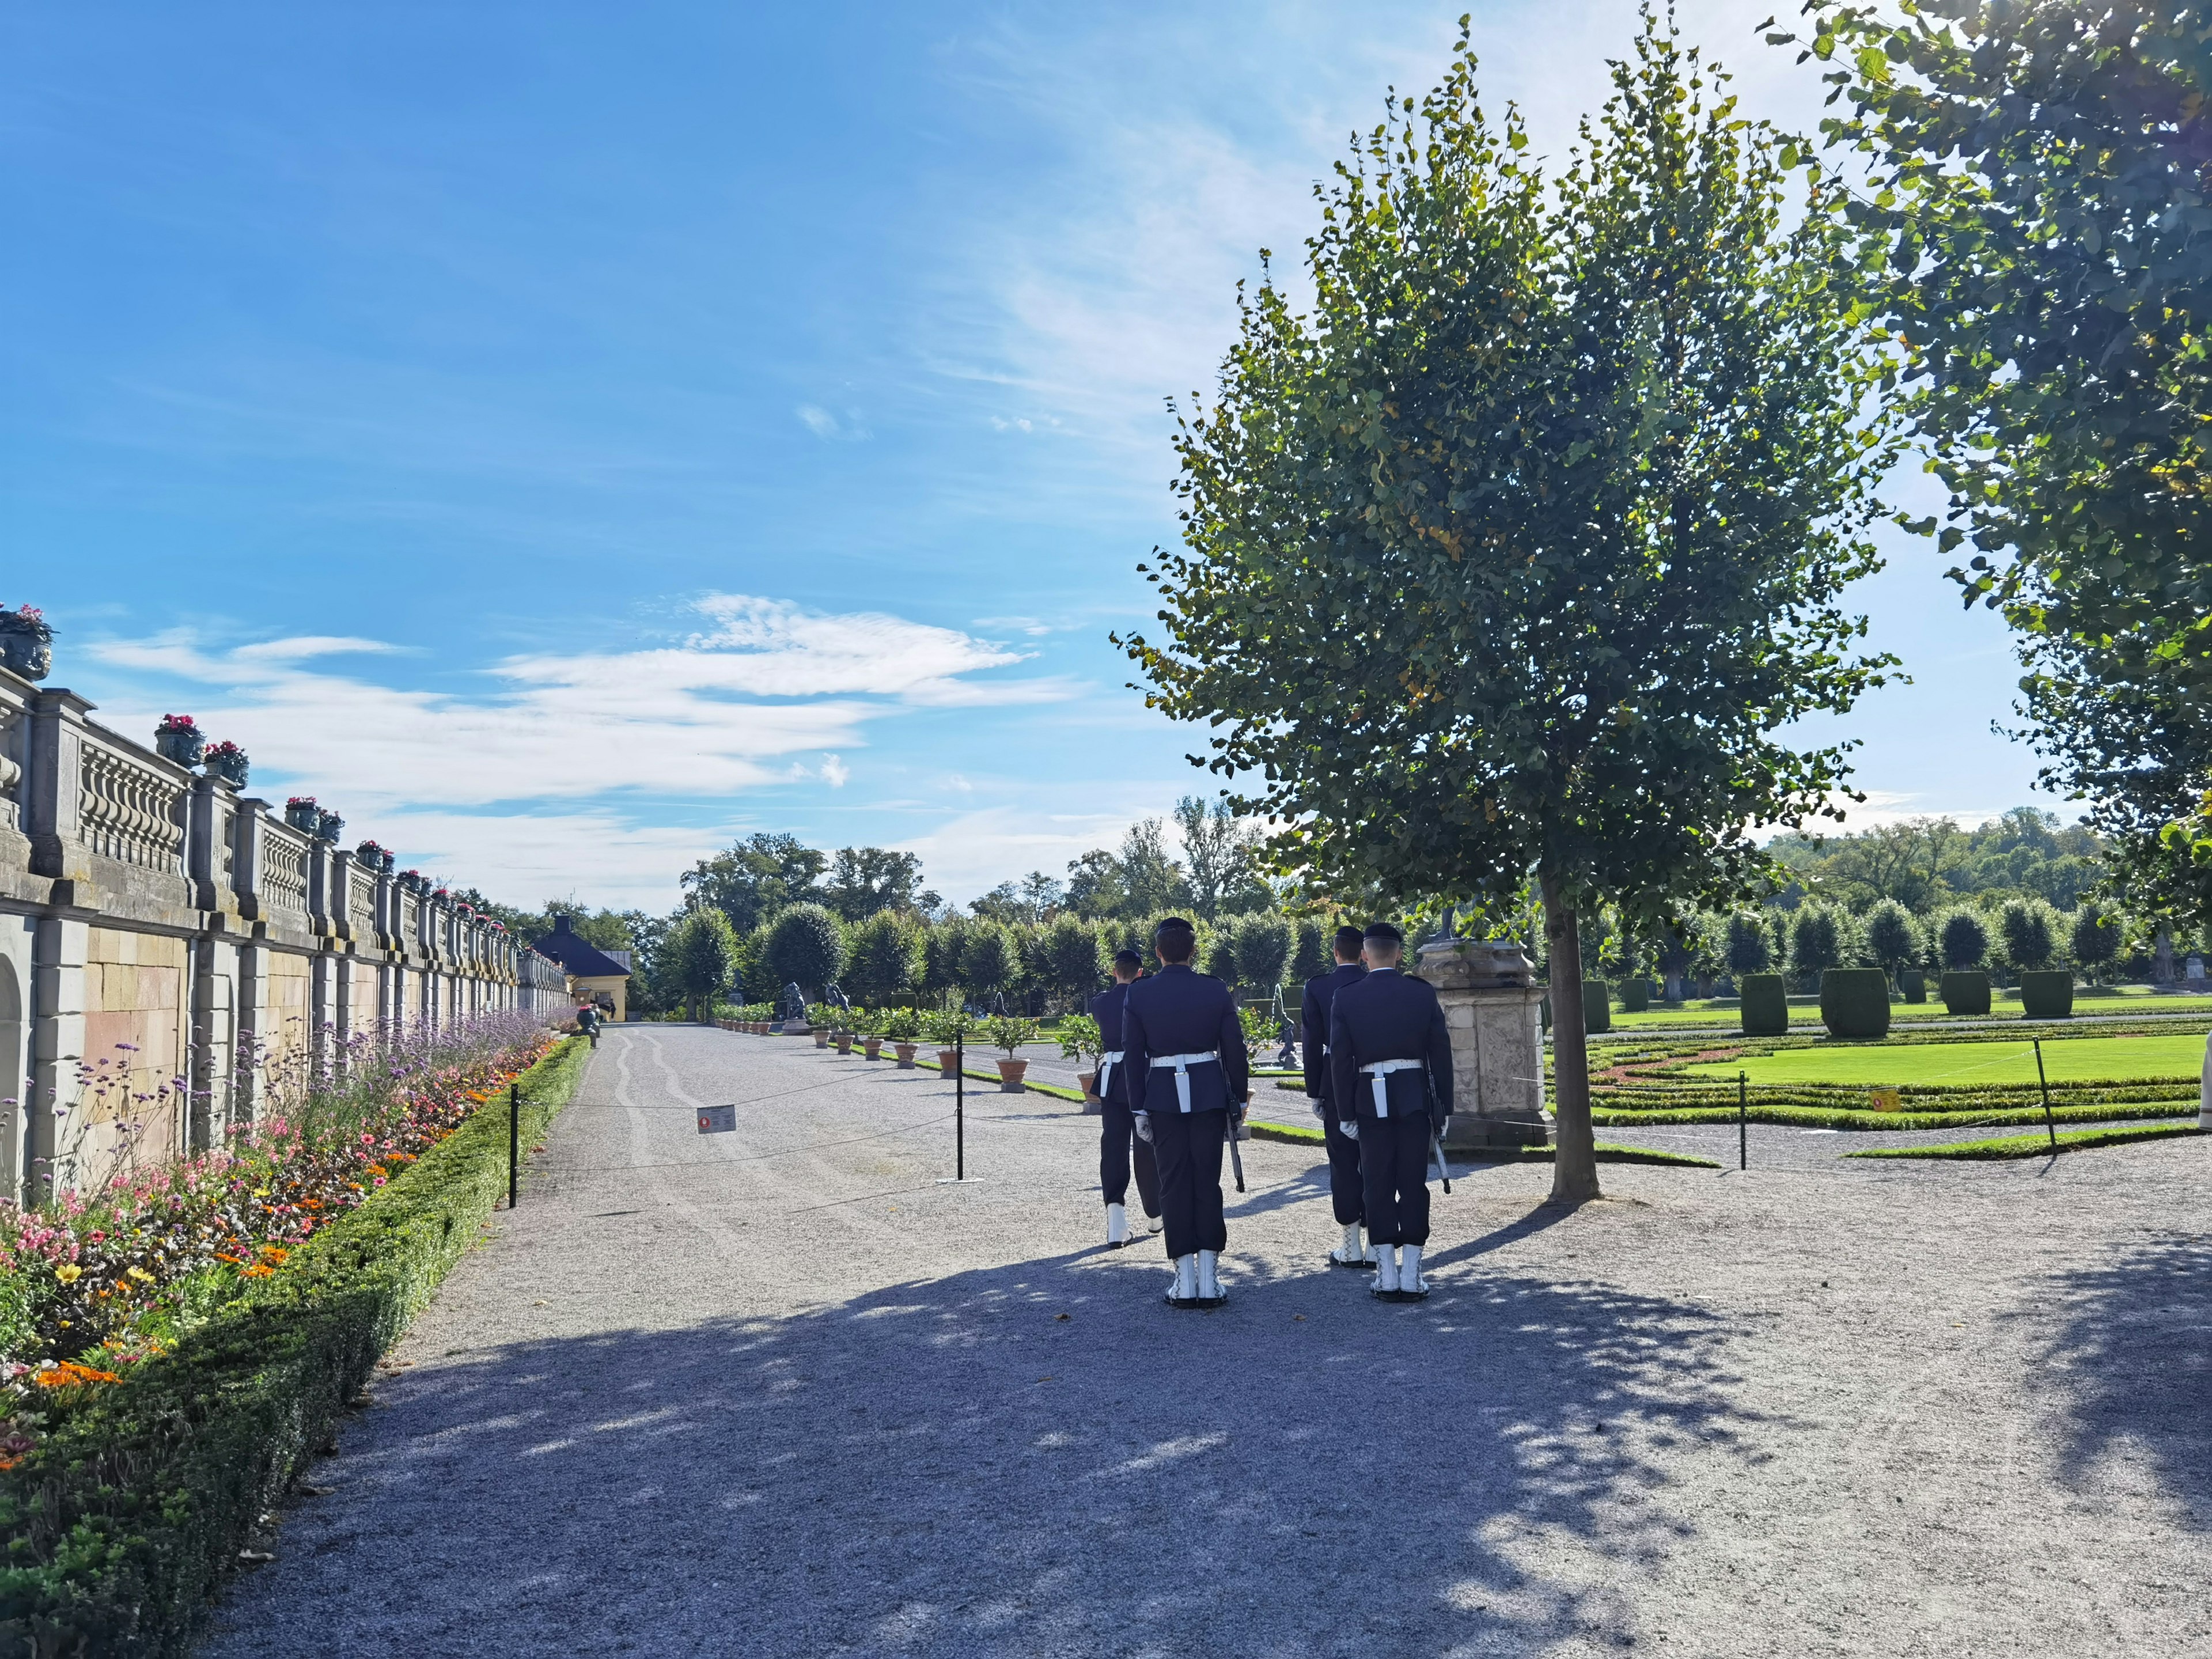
[1010,1075]
[844,1043]
[874,1046]
[944,1062]
[822,1039]
[905,1052]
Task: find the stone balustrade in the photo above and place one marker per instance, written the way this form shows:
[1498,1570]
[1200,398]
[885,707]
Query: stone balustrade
[168,948]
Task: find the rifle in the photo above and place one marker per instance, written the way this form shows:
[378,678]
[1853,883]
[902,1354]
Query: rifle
[1436,1145]
[1235,1158]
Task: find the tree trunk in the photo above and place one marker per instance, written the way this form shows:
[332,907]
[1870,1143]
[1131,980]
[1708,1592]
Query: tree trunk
[1574,1171]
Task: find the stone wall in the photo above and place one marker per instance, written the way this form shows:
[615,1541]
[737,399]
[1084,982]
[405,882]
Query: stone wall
[168,944]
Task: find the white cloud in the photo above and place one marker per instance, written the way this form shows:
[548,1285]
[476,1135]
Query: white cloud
[975,852]
[726,711]
[835,772]
[822,424]
[603,857]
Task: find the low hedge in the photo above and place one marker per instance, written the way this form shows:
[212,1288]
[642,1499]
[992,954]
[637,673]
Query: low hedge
[1635,996]
[1823,1117]
[2036,1145]
[1765,1004]
[1965,992]
[123,1521]
[1914,984]
[1855,1002]
[2047,993]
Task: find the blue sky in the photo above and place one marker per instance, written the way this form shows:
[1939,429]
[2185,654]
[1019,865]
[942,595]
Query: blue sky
[562,437]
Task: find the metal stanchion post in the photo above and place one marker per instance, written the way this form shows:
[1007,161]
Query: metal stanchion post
[959,1112]
[513,1142]
[1742,1121]
[2049,1125]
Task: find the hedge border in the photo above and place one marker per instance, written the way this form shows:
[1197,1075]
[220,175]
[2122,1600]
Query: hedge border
[123,1524]
[2014,1146]
[1298,1135]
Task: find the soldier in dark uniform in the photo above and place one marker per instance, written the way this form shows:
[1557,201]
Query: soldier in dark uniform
[1391,1064]
[1188,1083]
[1120,1136]
[1344,1189]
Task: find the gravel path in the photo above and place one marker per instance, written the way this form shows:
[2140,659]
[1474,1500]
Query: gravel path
[780,1393]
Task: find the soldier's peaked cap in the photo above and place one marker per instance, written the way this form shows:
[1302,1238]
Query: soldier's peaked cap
[1347,938]
[1382,933]
[1173,925]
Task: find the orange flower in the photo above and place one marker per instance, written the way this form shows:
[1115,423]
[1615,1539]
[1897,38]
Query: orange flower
[69,1372]
[259,1270]
[271,1253]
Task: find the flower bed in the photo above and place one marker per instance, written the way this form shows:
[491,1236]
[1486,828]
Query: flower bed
[135,1464]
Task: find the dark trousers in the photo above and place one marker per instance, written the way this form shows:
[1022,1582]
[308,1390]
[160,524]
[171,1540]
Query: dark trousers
[1346,1194]
[1115,1147]
[1393,1171]
[1188,1147]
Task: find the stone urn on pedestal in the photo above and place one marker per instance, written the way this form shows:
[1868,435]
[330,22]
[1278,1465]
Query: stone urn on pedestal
[179,739]
[27,643]
[1492,1009]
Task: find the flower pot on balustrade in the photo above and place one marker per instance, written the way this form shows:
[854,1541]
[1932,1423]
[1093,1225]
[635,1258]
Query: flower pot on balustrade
[329,826]
[185,745]
[27,644]
[822,1036]
[844,1043]
[302,814]
[1010,1075]
[874,1046]
[905,1052]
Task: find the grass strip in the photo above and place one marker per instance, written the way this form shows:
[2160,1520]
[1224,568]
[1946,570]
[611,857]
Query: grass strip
[2035,1145]
[123,1521]
[1820,1117]
[1297,1134]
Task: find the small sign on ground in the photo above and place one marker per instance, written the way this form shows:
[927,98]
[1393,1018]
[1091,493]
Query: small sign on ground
[718,1120]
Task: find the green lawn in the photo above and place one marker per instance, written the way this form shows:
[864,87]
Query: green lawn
[1805,1011]
[2069,1059]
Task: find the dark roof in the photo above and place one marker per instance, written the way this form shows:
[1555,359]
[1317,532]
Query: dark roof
[578,954]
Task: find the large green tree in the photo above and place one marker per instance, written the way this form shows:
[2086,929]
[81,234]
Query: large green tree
[702,958]
[2041,191]
[756,878]
[1518,553]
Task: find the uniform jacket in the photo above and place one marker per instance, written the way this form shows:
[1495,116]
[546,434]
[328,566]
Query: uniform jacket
[1313,1022]
[1106,1009]
[1180,1012]
[1386,1016]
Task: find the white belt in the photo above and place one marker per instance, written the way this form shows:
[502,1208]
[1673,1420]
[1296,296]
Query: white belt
[1182,1063]
[1380,1071]
[1107,1062]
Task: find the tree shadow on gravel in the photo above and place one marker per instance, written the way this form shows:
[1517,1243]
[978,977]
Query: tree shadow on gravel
[1044,1460]
[2130,1339]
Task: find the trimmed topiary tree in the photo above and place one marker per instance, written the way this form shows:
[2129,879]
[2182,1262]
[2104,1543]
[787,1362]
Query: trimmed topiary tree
[1817,941]
[2095,939]
[805,947]
[2047,993]
[1765,1004]
[1597,1006]
[1263,951]
[884,959]
[1748,950]
[1962,939]
[1966,991]
[989,964]
[1892,938]
[1914,984]
[1635,994]
[1855,1002]
[2026,925]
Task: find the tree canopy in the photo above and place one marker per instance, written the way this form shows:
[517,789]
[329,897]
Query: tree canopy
[1516,555]
[2039,195]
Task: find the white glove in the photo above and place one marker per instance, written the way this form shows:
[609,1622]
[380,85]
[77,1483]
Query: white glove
[1144,1121]
[1318,1111]
[1348,1127]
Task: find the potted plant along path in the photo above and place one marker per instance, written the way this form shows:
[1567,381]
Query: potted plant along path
[27,643]
[901,1027]
[1010,1032]
[1078,1038]
[945,1029]
[178,738]
[870,1021]
[227,761]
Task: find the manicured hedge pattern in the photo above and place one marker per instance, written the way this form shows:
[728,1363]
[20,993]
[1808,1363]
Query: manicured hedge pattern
[1765,1009]
[125,1520]
[1855,1002]
[2037,1146]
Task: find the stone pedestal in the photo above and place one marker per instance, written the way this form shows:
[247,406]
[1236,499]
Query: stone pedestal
[1493,1007]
